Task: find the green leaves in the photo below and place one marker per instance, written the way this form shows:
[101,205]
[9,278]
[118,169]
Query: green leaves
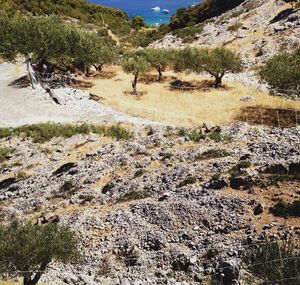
[27,248]
[48,40]
[216,62]
[135,64]
[282,72]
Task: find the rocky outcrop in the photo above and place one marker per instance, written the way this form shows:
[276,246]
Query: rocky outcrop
[149,210]
[256,29]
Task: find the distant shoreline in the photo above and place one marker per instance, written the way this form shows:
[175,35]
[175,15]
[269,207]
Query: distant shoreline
[143,8]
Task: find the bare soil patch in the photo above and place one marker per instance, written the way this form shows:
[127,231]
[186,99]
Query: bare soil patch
[273,117]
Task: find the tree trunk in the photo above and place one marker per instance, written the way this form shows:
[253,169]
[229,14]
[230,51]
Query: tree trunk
[218,80]
[37,276]
[87,71]
[160,75]
[134,84]
[30,71]
[98,67]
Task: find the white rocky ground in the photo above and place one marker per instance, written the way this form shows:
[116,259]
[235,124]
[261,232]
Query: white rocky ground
[261,33]
[151,211]
[28,106]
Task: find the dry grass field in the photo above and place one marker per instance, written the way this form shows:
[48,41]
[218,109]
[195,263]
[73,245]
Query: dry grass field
[181,108]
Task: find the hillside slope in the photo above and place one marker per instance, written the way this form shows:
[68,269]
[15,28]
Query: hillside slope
[85,12]
[257,29]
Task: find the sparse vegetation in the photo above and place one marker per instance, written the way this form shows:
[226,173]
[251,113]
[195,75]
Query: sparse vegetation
[273,261]
[235,27]
[213,153]
[188,34]
[47,131]
[188,181]
[239,169]
[26,249]
[284,209]
[4,152]
[134,195]
[276,178]
[166,155]
[197,135]
[66,190]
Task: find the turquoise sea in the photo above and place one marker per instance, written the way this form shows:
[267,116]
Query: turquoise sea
[143,8]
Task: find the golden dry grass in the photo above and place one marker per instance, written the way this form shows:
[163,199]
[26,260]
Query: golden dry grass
[181,108]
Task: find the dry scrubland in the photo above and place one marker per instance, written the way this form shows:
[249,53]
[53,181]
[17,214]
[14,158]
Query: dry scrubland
[181,108]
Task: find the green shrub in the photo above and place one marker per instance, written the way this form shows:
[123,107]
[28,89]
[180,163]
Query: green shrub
[134,195]
[276,178]
[46,131]
[26,250]
[284,209]
[86,12]
[188,181]
[4,152]
[235,27]
[188,34]
[282,73]
[213,153]
[238,169]
[166,155]
[138,22]
[201,12]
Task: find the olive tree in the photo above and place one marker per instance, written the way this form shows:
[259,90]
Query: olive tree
[217,62]
[48,41]
[26,250]
[135,64]
[158,58]
[282,73]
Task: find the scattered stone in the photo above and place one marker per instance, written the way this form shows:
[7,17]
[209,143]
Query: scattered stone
[259,209]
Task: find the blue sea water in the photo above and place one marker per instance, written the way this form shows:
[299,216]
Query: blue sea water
[143,8]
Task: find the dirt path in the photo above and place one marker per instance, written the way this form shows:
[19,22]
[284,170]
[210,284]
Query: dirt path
[27,106]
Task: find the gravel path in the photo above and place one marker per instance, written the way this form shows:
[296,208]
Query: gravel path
[27,106]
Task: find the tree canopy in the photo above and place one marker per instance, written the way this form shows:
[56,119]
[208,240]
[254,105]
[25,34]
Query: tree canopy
[49,41]
[282,73]
[135,64]
[217,62]
[26,249]
[158,58]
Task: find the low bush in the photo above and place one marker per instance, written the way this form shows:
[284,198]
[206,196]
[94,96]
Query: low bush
[276,178]
[47,131]
[188,181]
[238,169]
[282,73]
[134,195]
[4,152]
[188,34]
[213,153]
[197,135]
[284,209]
[235,27]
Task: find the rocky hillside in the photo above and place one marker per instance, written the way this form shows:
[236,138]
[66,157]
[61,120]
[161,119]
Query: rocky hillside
[256,28]
[162,208]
